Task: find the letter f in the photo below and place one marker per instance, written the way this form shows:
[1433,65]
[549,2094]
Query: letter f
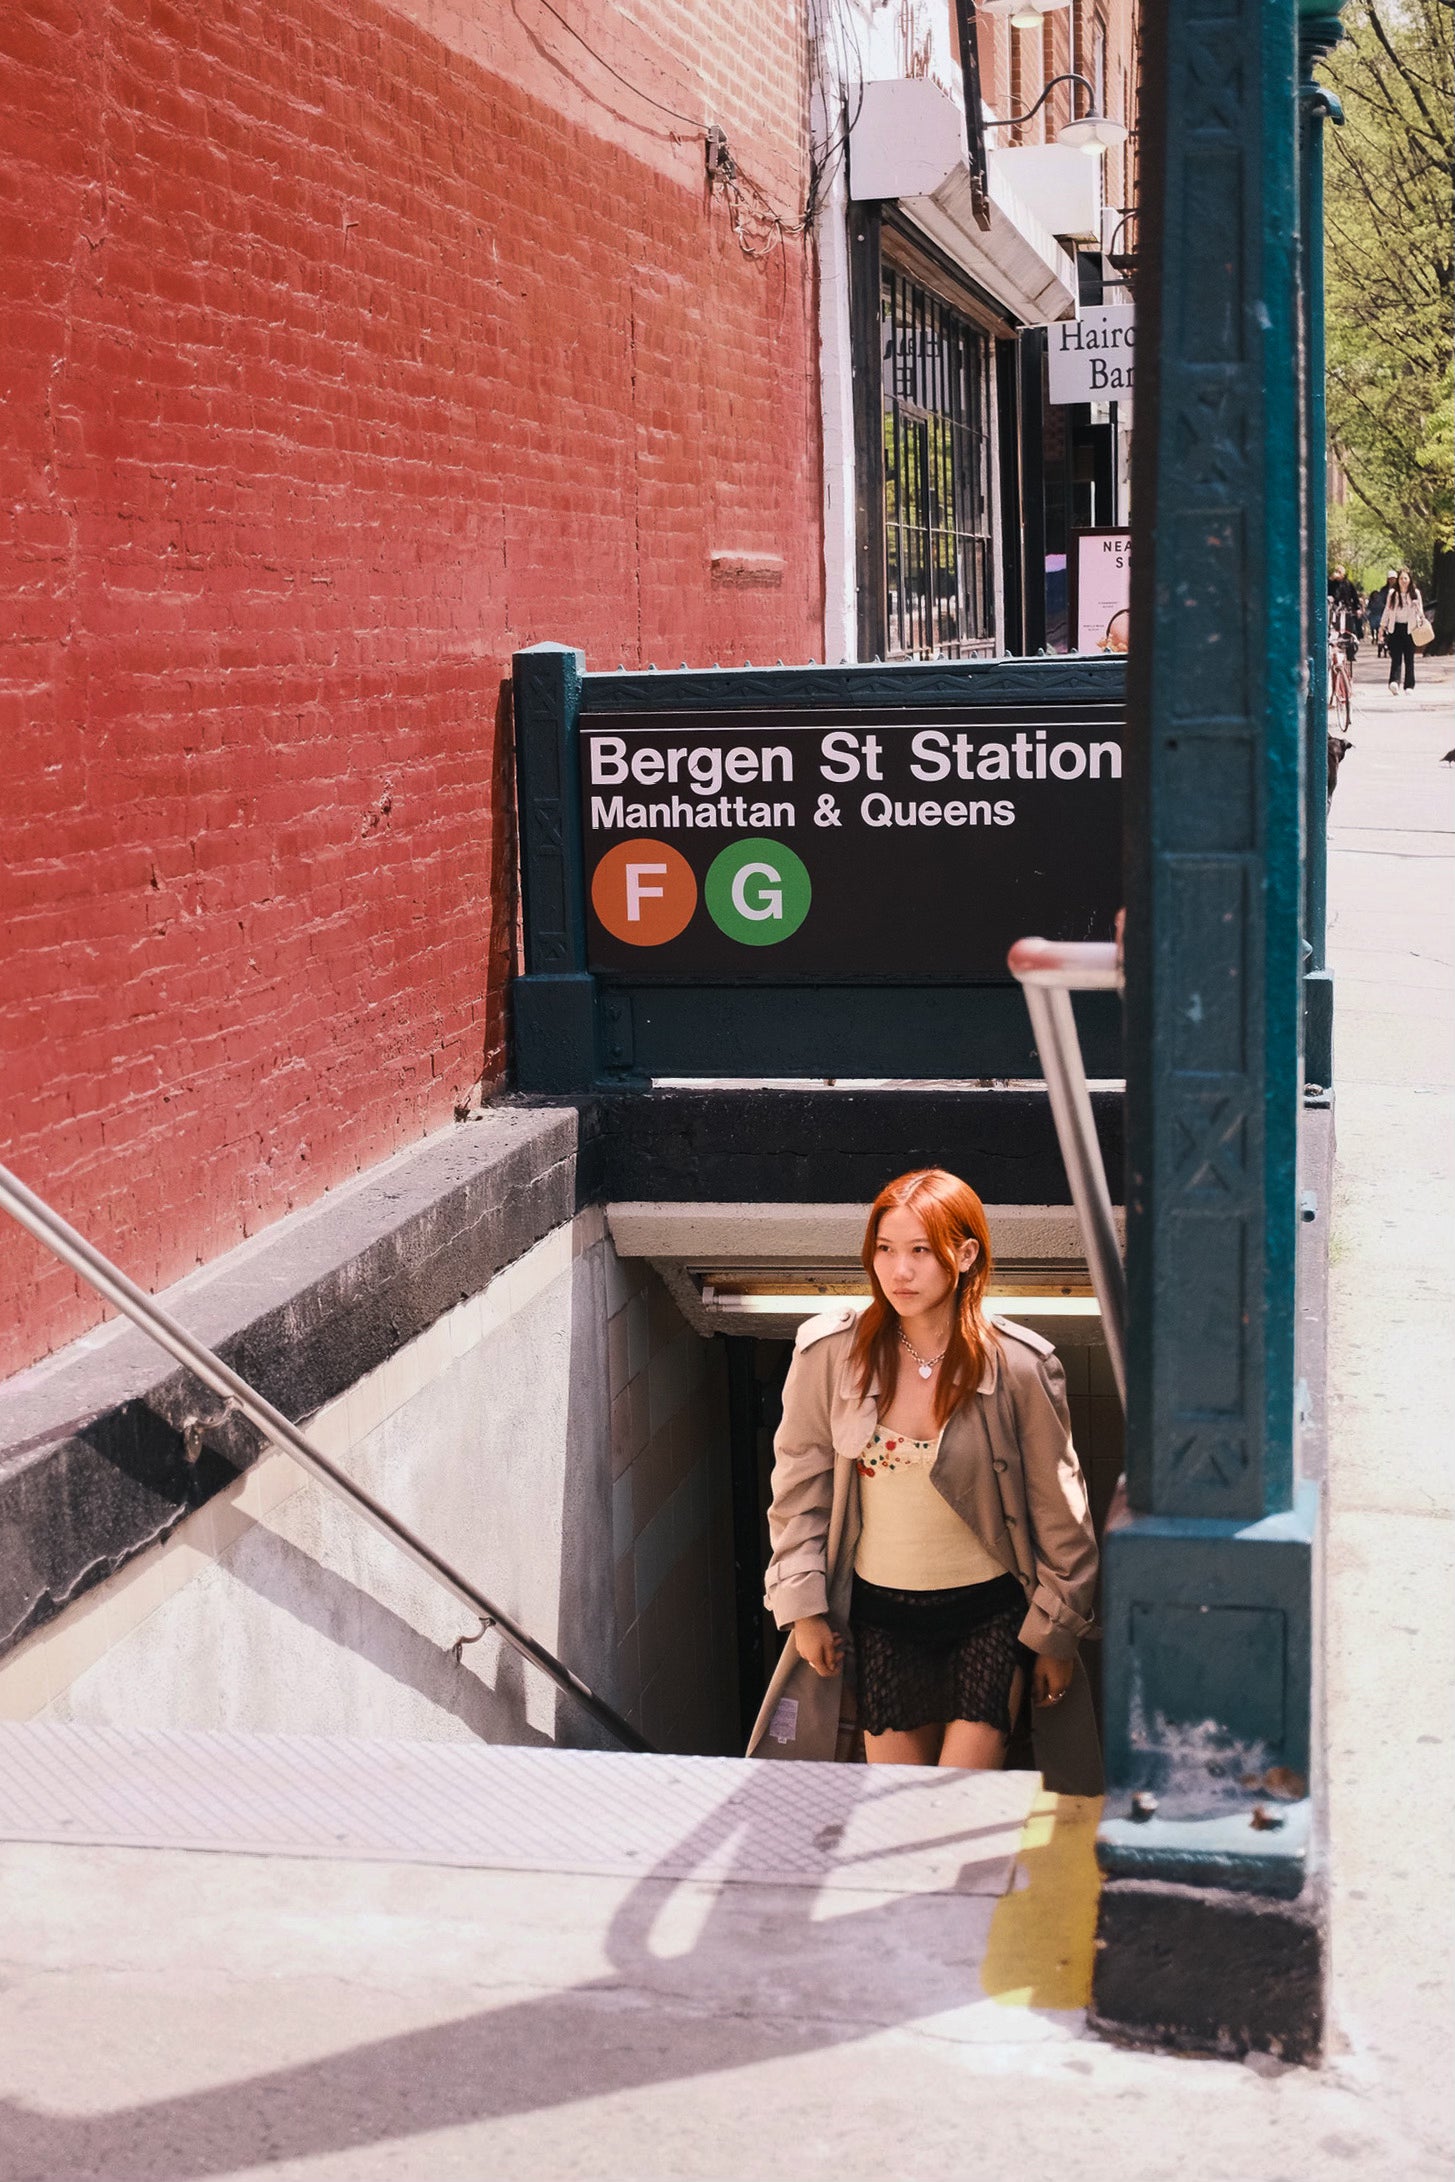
[636,893]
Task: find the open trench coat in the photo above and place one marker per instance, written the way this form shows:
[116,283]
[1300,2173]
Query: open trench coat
[1006,1465]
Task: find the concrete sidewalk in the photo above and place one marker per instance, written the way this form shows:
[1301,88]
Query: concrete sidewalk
[1391,1602]
[167,2015]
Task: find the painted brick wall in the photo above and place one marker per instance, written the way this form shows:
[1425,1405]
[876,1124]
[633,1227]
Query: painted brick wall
[347,347]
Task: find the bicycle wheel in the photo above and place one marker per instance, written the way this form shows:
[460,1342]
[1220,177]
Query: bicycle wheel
[1343,710]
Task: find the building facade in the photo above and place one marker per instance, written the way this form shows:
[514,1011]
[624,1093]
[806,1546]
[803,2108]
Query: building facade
[348,347]
[952,483]
[351,350]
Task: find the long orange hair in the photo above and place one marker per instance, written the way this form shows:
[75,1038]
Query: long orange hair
[951,1215]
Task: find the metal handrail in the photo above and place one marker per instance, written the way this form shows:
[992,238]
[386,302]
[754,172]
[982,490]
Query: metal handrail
[73,1250]
[1049,971]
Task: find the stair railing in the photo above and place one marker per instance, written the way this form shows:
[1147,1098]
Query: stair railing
[112,1284]
[1049,972]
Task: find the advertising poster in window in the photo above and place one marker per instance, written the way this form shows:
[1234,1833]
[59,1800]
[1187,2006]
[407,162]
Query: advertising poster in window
[1101,583]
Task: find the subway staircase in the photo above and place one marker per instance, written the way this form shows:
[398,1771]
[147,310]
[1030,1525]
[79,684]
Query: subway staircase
[584,1919]
[891,1830]
[367,1961]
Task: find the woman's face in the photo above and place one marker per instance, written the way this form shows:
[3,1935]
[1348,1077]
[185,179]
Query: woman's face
[911,1275]
[1406,580]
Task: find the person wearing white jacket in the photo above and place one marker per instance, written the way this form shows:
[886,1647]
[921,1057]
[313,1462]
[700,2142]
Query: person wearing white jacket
[1404,612]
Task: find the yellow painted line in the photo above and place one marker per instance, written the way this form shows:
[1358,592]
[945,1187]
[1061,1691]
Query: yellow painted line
[1043,1934]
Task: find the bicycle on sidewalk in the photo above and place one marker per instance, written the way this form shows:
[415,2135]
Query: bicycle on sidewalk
[1343,651]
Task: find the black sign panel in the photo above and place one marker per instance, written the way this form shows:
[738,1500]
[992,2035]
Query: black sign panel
[886,845]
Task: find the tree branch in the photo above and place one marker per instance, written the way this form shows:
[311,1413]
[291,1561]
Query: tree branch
[1372,15]
[1360,494]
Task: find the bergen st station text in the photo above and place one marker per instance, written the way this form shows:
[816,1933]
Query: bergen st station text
[703,777]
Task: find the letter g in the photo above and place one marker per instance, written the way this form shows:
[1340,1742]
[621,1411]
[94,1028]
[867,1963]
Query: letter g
[770,898]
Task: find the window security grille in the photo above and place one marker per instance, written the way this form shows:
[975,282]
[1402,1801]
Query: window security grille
[937,513]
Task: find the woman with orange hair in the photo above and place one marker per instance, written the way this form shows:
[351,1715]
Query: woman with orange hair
[929,1517]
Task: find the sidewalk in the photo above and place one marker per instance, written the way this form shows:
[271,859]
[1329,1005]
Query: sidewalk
[1391,1627]
[166,2015]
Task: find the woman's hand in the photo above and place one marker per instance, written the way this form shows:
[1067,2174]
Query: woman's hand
[1050,1679]
[820,1645]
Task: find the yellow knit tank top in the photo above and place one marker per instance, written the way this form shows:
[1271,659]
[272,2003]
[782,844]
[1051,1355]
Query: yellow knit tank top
[912,1539]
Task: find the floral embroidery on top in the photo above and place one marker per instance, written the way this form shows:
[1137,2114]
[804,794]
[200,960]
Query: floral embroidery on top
[895,1451]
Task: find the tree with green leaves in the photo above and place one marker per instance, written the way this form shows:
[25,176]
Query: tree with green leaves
[1391,279]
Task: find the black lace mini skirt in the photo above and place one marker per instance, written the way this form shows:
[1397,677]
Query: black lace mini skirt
[923,1658]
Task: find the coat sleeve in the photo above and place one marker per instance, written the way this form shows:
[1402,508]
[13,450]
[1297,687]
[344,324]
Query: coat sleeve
[1062,1537]
[803,1494]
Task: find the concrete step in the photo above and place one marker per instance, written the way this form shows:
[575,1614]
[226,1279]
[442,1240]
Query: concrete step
[885,1830]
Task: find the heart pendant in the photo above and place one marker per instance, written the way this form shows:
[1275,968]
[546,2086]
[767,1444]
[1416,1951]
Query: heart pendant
[926,1371]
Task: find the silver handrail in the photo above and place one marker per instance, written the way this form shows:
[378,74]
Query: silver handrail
[1049,972]
[73,1250]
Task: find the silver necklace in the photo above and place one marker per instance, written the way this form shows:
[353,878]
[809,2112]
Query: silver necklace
[926,1363]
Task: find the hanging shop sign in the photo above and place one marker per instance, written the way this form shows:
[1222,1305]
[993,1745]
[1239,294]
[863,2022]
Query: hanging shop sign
[1091,358]
[806,871]
[1101,589]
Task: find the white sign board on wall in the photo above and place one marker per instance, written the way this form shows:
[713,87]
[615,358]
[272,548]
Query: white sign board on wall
[1091,358]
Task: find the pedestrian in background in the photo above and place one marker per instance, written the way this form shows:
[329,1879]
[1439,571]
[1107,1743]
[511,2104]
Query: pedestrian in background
[1344,597]
[1404,612]
[1378,600]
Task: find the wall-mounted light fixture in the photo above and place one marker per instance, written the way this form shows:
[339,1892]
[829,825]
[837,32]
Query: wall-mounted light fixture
[1028,16]
[1094,133]
[1024,14]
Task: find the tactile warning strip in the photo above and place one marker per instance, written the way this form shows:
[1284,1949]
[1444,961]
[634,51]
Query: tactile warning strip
[883,1829]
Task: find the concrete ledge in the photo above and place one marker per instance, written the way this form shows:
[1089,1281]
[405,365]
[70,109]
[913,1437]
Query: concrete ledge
[817,1234]
[810,1252]
[724,1234]
[1200,1970]
[93,1461]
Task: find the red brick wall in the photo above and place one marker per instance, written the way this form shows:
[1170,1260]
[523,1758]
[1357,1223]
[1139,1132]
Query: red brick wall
[344,352]
[993,36]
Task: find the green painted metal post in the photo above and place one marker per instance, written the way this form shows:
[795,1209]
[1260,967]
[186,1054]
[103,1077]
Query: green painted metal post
[1208,1576]
[1215,909]
[1318,34]
[555,999]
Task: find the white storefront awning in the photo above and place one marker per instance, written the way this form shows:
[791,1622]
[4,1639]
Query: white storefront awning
[908,144]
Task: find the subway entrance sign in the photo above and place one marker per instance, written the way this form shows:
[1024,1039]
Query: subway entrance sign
[807,871]
[886,843]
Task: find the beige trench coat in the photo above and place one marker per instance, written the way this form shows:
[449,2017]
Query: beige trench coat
[1006,1464]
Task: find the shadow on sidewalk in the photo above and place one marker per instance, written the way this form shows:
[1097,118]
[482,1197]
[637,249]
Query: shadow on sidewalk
[654,2019]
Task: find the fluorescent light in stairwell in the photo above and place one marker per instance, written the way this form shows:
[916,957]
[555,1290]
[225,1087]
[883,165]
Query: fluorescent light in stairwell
[782,1302]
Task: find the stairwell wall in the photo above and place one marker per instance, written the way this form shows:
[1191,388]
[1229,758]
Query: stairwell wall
[559,1433]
